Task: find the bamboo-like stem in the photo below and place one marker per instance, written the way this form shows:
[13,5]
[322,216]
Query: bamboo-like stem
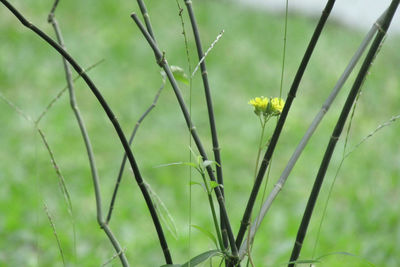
[311,129]
[112,119]
[275,136]
[92,162]
[161,60]
[338,129]
[210,108]
[121,169]
[146,18]
[214,215]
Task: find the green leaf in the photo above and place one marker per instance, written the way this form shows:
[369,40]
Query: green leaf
[179,74]
[200,184]
[303,262]
[214,184]
[207,233]
[164,213]
[171,265]
[201,258]
[346,254]
[199,160]
[208,162]
[191,164]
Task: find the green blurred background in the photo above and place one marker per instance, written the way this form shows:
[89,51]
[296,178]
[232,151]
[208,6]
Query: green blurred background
[363,215]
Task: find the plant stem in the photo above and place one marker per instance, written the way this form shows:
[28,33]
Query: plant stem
[263,122]
[161,60]
[46,209]
[337,131]
[124,158]
[275,136]
[284,48]
[311,129]
[88,145]
[214,215]
[210,108]
[146,18]
[112,119]
[62,91]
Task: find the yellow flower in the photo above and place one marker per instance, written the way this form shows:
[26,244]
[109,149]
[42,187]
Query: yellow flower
[277,105]
[260,104]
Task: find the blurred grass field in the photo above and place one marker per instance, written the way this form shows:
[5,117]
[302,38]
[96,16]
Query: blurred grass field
[363,215]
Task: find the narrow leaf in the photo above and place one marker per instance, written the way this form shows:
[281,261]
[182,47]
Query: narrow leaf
[214,184]
[179,74]
[201,258]
[207,233]
[207,163]
[200,184]
[191,164]
[303,262]
[346,254]
[164,213]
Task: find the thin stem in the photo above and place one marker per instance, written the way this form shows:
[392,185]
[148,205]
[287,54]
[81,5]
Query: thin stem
[62,91]
[112,258]
[46,209]
[74,107]
[112,119]
[189,65]
[337,131]
[311,129]
[263,122]
[61,180]
[214,215]
[275,136]
[85,136]
[284,48]
[146,18]
[124,158]
[161,60]
[210,108]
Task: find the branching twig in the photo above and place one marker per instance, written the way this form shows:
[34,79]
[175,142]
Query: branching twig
[121,169]
[85,136]
[62,91]
[311,129]
[275,136]
[210,109]
[337,131]
[161,60]
[113,257]
[112,119]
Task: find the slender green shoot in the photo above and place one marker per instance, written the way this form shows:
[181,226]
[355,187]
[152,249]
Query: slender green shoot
[189,66]
[62,91]
[110,260]
[284,48]
[53,226]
